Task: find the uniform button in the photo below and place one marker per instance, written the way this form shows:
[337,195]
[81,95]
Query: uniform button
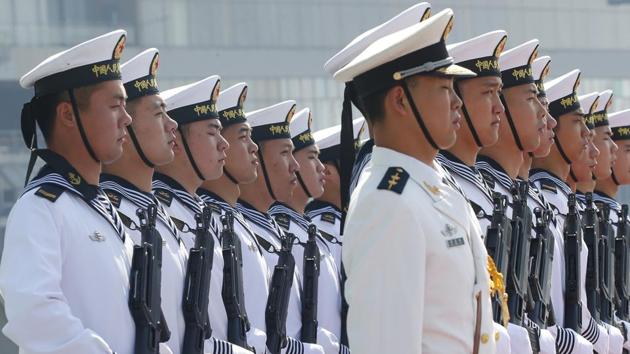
[497,335]
[484,338]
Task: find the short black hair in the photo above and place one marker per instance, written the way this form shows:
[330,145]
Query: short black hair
[373,106]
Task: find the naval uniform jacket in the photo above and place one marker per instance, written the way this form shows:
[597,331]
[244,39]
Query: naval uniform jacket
[255,272]
[327,218]
[127,199]
[417,279]
[268,234]
[329,287]
[182,207]
[64,274]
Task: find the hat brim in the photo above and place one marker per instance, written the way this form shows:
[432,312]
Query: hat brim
[454,70]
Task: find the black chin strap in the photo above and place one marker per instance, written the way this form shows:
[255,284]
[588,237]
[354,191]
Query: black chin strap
[561,150]
[264,169]
[614,178]
[136,144]
[75,109]
[299,177]
[229,175]
[508,115]
[473,131]
[572,174]
[416,113]
[346,154]
[190,156]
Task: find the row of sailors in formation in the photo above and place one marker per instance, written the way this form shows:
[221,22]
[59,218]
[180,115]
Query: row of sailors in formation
[193,147]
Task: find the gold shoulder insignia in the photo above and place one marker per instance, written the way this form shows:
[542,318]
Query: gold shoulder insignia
[50,192]
[394,180]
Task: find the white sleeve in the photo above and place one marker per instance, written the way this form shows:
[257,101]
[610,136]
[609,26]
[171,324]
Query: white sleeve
[39,317]
[383,224]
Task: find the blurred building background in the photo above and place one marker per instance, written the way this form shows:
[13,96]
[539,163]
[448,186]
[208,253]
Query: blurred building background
[279,46]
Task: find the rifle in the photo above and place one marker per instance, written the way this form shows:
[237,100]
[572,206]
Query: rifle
[592,238]
[622,268]
[310,286]
[517,277]
[279,294]
[145,287]
[197,286]
[606,266]
[540,274]
[572,234]
[232,290]
[498,245]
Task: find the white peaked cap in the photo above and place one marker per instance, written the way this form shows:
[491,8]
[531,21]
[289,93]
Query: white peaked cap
[107,47]
[605,99]
[518,56]
[485,45]
[401,43]
[619,119]
[231,97]
[277,113]
[301,122]
[331,136]
[540,67]
[562,86]
[194,93]
[414,14]
[139,74]
[589,101]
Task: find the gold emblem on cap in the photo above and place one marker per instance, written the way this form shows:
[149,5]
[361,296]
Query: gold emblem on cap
[577,82]
[215,91]
[154,64]
[545,71]
[609,103]
[533,56]
[241,100]
[120,46]
[500,47]
[290,114]
[448,29]
[426,14]
[74,179]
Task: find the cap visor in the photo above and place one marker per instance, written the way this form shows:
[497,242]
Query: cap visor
[455,71]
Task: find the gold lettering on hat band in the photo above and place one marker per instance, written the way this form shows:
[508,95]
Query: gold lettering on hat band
[104,69]
[279,129]
[233,113]
[568,101]
[305,137]
[204,109]
[625,131]
[522,73]
[145,84]
[484,65]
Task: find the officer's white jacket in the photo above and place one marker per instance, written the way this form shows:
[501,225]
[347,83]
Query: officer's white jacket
[267,233]
[64,274]
[255,272]
[327,218]
[329,287]
[182,207]
[556,193]
[417,279]
[127,200]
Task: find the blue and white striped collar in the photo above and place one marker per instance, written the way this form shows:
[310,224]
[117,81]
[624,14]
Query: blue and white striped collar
[492,168]
[262,220]
[164,182]
[601,197]
[281,208]
[318,207]
[537,174]
[470,173]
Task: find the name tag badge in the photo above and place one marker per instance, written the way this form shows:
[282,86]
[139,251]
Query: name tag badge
[455,242]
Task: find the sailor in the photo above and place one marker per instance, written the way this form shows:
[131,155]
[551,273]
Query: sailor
[199,151]
[222,193]
[276,180]
[64,275]
[405,224]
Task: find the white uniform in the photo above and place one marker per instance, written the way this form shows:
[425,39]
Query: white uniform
[268,235]
[255,272]
[327,218]
[127,199]
[329,288]
[556,192]
[182,207]
[413,237]
[65,267]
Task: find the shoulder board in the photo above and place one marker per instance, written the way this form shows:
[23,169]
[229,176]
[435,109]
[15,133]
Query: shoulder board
[283,220]
[114,197]
[329,218]
[50,191]
[164,196]
[488,178]
[328,237]
[548,185]
[266,245]
[394,180]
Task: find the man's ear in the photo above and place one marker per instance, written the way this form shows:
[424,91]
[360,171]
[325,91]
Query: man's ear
[65,114]
[395,102]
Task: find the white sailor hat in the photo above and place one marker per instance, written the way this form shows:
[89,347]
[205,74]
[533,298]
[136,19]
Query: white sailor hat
[599,116]
[516,64]
[272,122]
[588,103]
[605,100]
[300,129]
[414,14]
[88,63]
[620,124]
[139,74]
[561,93]
[415,50]
[230,104]
[480,54]
[540,70]
[329,140]
[193,102]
